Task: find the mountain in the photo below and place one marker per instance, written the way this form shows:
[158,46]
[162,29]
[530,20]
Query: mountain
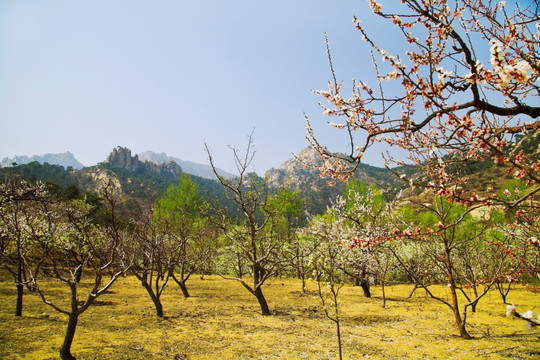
[121,158]
[143,181]
[204,171]
[299,177]
[64,159]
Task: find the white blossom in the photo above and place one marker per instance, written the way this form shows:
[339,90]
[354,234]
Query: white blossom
[510,309]
[527,315]
[375,6]
[443,74]
[508,69]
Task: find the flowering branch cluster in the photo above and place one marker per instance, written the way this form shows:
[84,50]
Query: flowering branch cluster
[468,87]
[527,316]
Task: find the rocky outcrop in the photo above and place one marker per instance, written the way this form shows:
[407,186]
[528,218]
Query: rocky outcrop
[294,173]
[297,176]
[121,157]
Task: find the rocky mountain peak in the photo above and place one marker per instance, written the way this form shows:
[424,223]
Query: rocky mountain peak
[298,176]
[121,157]
[293,172]
[190,167]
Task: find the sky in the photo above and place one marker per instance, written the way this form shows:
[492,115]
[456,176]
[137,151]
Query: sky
[170,75]
[173,75]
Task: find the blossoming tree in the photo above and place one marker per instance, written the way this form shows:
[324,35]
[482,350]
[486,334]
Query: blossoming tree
[83,255]
[463,88]
[17,210]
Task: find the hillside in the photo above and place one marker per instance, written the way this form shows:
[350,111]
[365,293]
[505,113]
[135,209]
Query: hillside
[299,177]
[146,176]
[138,182]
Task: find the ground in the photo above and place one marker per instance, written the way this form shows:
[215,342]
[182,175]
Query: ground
[221,320]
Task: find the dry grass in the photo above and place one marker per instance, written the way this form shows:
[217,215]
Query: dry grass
[221,321]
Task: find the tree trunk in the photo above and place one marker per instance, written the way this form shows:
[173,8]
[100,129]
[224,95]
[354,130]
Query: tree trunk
[365,287]
[462,331]
[184,289]
[473,305]
[155,299]
[460,323]
[19,307]
[504,292]
[262,301]
[240,270]
[413,290]
[181,281]
[298,263]
[20,286]
[383,295]
[65,350]
[457,316]
[159,307]
[338,330]
[364,282]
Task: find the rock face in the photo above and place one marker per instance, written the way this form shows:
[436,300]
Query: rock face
[298,176]
[295,174]
[121,157]
[63,159]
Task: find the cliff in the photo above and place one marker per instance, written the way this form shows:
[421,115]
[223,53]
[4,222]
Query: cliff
[121,158]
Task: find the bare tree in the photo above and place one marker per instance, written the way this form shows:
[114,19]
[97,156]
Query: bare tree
[154,258]
[254,235]
[78,251]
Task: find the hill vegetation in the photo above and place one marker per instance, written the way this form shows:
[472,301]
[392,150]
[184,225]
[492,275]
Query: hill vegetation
[145,181]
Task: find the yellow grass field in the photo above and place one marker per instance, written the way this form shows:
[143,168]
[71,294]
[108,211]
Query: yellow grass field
[221,320]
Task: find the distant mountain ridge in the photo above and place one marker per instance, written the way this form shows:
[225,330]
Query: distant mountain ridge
[204,171]
[64,159]
[67,159]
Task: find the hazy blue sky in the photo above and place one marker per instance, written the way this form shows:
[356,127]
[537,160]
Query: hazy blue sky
[170,75]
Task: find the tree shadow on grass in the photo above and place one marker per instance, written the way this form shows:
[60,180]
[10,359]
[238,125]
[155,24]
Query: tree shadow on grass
[370,319]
